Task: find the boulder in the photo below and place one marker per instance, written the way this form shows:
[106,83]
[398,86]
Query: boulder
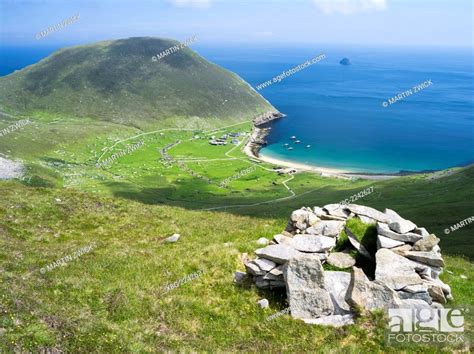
[262,241]
[341,260]
[369,295]
[311,243]
[279,254]
[337,284]
[385,242]
[367,211]
[426,244]
[394,270]
[384,230]
[429,258]
[330,228]
[298,218]
[305,288]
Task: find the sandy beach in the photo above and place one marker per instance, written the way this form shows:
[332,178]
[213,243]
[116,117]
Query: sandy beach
[253,146]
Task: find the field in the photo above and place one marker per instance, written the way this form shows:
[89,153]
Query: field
[112,298]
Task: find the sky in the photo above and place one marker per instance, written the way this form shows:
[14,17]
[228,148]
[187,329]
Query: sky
[420,23]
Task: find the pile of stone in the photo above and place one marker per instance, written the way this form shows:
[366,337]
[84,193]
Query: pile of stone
[408,263]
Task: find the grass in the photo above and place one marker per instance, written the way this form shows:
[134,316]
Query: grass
[111,299]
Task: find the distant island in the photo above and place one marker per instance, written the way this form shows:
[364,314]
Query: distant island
[345,61]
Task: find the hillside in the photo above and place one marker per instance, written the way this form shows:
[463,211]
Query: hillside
[118,81]
[111,298]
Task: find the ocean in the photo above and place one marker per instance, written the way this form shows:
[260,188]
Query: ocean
[338,110]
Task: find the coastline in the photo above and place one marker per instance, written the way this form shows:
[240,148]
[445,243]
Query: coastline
[257,141]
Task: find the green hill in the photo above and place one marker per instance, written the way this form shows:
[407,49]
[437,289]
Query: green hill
[118,81]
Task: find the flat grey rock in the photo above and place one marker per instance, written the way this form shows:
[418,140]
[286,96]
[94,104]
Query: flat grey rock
[279,254]
[394,270]
[330,228]
[392,215]
[384,230]
[313,243]
[415,304]
[368,294]
[253,269]
[415,296]
[305,288]
[332,320]
[402,226]
[367,211]
[337,284]
[340,260]
[265,264]
[385,242]
[429,258]
[338,210]
[366,219]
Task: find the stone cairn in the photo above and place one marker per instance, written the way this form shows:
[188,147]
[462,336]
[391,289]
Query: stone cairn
[408,263]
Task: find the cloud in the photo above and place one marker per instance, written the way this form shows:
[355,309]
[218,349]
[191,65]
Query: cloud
[347,7]
[190,3]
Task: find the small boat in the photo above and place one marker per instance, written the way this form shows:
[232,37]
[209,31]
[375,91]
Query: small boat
[293,137]
[308,146]
[290,148]
[297,141]
[285,144]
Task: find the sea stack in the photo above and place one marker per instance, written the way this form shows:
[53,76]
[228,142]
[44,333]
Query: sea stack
[345,61]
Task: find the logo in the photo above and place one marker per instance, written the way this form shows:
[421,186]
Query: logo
[425,325]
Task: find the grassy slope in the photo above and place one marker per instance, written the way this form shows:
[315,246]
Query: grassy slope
[111,299]
[117,81]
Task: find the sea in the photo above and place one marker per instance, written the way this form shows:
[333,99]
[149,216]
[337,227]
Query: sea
[346,116]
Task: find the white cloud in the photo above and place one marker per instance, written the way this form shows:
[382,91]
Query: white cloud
[190,3]
[347,7]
